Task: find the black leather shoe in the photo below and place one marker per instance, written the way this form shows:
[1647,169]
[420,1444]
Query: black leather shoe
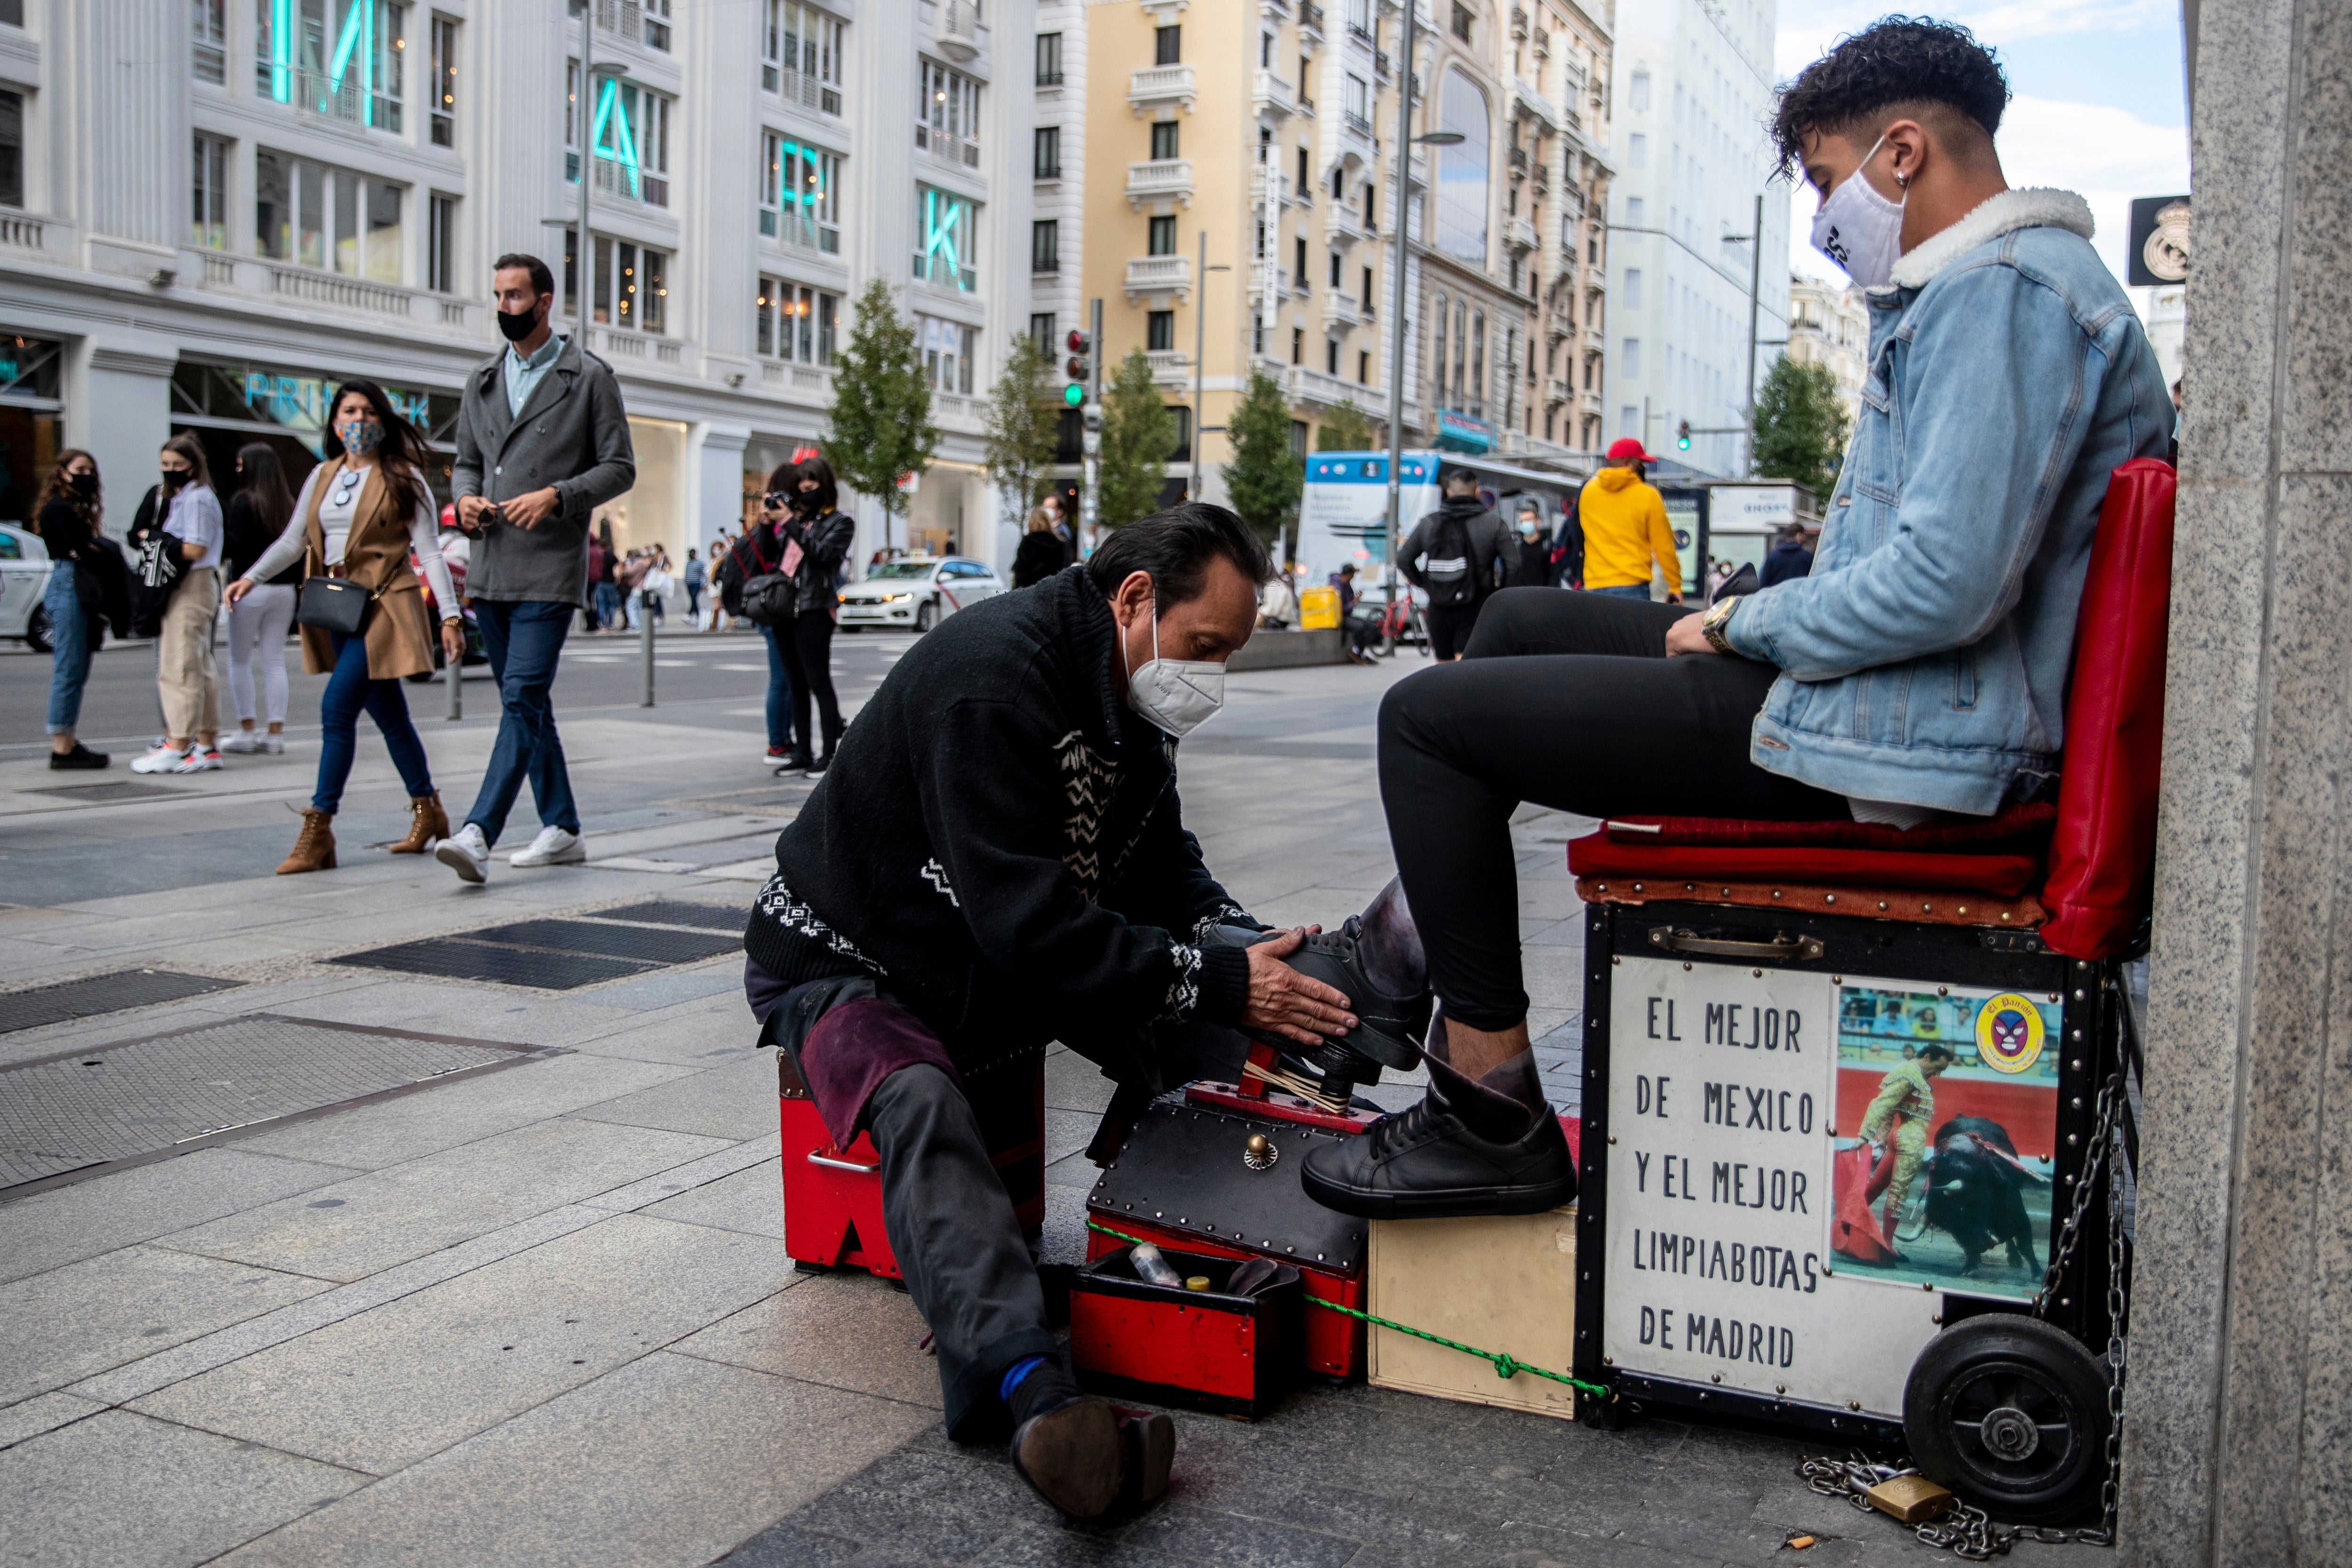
[1389,1029]
[1426,1163]
[1075,1456]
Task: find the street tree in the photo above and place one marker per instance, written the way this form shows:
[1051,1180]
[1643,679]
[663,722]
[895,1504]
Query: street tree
[1265,474]
[1346,429]
[1800,426]
[879,428]
[1138,435]
[1024,424]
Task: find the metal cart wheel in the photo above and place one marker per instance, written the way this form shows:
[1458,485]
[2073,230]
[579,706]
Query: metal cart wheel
[2011,1414]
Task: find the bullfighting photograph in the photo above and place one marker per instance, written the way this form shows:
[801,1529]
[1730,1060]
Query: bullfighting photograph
[1944,1136]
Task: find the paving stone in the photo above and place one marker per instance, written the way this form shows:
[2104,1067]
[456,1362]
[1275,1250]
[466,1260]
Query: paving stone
[46,1413]
[694,1174]
[83,1318]
[666,990]
[384,1389]
[850,1330]
[670,1461]
[368,1223]
[1074,1083]
[930,1506]
[1038,1546]
[67,1224]
[120,1490]
[750,1200]
[735,1100]
[1196,1534]
[789,1546]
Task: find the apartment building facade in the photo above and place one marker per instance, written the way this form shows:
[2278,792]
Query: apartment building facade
[1693,93]
[214,210]
[1829,324]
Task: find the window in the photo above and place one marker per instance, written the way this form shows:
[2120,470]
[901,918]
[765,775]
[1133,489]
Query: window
[1040,330]
[1298,262]
[1368,289]
[795,321]
[1336,265]
[948,349]
[1265,52]
[1299,345]
[1167,45]
[441,244]
[338,59]
[1461,217]
[631,283]
[1363,369]
[1639,96]
[1438,359]
[1358,104]
[1298,438]
[796,201]
[1261,239]
[1160,330]
[1162,236]
[1181,452]
[800,56]
[1461,349]
[947,122]
[209,215]
[1637,150]
[1045,153]
[1462,23]
[1633,287]
[1478,366]
[1331,356]
[1164,138]
[13,12]
[946,238]
[209,37]
[656,20]
[1049,60]
[629,132]
[317,215]
[1634,210]
[1339,183]
[1360,17]
[1257,334]
[1045,246]
[445,82]
[1303,180]
[1629,364]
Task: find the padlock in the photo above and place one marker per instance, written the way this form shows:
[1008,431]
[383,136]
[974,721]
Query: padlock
[1910,1499]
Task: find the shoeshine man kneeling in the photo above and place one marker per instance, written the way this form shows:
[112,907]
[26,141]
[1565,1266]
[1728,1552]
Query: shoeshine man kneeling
[1918,672]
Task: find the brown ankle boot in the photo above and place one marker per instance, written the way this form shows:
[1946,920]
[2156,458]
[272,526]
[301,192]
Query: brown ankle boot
[314,847]
[426,823]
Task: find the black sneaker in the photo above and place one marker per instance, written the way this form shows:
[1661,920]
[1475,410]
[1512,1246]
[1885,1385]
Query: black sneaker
[815,770]
[1426,1163]
[791,762]
[1389,1029]
[81,756]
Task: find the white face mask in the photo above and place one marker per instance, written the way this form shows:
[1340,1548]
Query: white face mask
[1179,695]
[1861,230]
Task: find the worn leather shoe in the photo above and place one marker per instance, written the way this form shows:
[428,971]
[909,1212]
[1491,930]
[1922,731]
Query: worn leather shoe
[1389,1029]
[1426,1162]
[1074,1456]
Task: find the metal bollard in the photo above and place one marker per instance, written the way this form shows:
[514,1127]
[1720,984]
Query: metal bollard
[455,707]
[645,645]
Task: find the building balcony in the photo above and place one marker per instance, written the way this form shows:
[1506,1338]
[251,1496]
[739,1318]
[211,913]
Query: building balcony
[1341,309]
[956,31]
[1595,341]
[1528,103]
[1555,392]
[1321,390]
[1345,226]
[784,376]
[1356,138]
[1560,327]
[1267,186]
[1169,367]
[1158,179]
[1382,66]
[343,97]
[1161,87]
[1311,18]
[1589,403]
[1519,24]
[946,147]
[1519,233]
[642,349]
[1159,276]
[1273,95]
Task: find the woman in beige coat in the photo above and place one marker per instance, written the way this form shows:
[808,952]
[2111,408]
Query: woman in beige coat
[362,513]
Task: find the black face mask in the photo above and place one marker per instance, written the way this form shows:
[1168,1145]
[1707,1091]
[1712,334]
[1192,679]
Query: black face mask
[174,477]
[517,325]
[83,484]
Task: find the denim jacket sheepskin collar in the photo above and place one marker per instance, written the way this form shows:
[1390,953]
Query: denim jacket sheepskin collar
[1926,657]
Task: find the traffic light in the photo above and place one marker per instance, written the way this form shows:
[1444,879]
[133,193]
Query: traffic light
[1079,366]
[1682,435]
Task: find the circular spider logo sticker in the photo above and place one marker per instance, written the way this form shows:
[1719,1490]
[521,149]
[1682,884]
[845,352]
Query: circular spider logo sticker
[2009,1033]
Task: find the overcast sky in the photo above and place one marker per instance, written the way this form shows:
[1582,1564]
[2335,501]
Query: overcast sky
[2099,106]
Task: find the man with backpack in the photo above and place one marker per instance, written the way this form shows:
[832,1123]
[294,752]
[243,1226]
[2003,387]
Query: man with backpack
[1456,556]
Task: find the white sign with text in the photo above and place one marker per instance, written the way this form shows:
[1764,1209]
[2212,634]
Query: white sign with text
[1721,1096]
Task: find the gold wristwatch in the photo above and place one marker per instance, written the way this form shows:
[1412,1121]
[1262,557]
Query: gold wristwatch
[1718,615]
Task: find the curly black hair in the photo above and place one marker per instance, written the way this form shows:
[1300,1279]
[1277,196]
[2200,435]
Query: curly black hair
[1894,61]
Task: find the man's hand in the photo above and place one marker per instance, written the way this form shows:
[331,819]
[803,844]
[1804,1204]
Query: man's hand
[531,511]
[474,512]
[453,640]
[1286,1002]
[1685,636]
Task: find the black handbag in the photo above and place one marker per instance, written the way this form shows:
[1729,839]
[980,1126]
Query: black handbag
[331,604]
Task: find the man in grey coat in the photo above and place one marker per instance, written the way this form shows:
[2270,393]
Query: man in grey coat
[541,443]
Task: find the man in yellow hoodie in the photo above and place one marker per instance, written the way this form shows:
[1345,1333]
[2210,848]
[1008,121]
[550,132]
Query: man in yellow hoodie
[1625,527]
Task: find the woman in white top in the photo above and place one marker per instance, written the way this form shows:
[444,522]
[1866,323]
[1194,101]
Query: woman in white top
[362,514]
[185,677]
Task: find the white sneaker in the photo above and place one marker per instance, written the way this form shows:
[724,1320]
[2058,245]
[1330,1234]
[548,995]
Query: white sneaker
[201,759]
[553,847]
[241,741]
[274,745]
[466,852]
[165,758]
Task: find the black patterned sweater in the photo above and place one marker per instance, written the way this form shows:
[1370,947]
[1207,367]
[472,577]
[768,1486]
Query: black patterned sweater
[999,844]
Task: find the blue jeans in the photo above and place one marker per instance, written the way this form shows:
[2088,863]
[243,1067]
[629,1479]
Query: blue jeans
[70,636]
[523,639]
[608,606]
[780,690]
[1625,591]
[349,692]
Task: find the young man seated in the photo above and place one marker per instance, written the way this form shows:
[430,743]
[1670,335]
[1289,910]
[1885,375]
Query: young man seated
[999,860]
[1919,670]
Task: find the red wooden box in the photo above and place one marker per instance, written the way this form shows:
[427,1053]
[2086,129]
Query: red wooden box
[1331,1343]
[832,1196]
[1205,1350]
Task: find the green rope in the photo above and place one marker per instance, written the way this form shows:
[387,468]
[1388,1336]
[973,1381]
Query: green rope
[1506,1366]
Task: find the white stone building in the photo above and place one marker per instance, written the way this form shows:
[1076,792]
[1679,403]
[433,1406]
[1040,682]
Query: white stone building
[1694,92]
[1829,324]
[212,210]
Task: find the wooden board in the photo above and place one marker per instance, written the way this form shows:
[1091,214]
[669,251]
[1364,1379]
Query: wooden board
[1505,1283]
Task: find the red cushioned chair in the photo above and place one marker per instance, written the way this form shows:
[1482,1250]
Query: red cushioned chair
[2080,872]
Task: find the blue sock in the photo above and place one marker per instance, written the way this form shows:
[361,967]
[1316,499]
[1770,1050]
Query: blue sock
[1015,1373]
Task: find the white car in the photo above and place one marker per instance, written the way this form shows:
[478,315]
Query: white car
[917,592]
[24,578]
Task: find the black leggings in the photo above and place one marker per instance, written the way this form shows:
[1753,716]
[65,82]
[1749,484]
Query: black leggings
[807,649]
[1450,627]
[1568,700]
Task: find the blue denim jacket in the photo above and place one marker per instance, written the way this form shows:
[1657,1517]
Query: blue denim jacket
[1926,657]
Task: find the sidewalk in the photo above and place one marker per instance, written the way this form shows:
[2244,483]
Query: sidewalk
[541,1312]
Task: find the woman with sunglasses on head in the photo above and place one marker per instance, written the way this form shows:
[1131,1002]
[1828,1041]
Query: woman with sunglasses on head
[361,515]
[67,518]
[821,536]
[257,623]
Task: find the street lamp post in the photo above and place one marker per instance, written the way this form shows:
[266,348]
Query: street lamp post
[1200,329]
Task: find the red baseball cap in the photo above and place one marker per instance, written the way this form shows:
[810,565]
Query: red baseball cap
[1626,446]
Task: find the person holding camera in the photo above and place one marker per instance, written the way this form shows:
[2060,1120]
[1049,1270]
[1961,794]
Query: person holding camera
[750,585]
[185,676]
[541,443]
